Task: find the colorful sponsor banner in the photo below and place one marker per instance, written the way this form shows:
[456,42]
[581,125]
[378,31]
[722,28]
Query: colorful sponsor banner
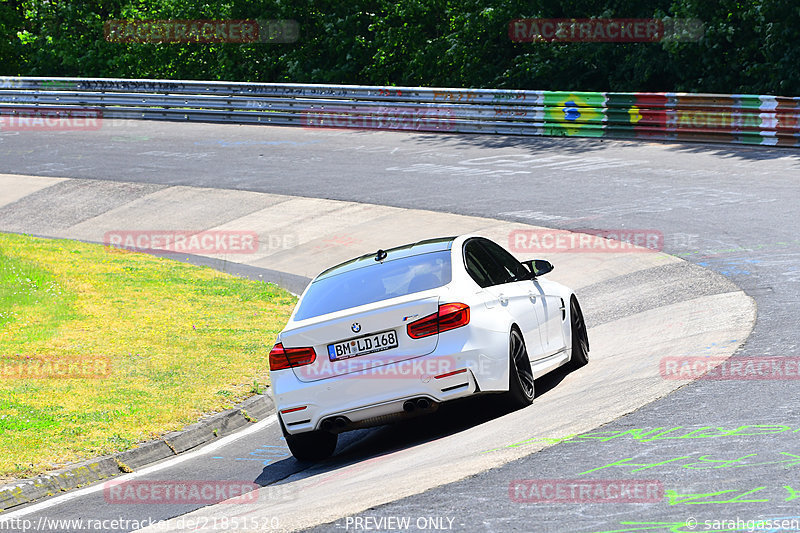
[636,114]
[708,115]
[786,121]
[747,119]
[714,120]
[574,114]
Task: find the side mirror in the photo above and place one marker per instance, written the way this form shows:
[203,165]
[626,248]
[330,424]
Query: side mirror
[538,267]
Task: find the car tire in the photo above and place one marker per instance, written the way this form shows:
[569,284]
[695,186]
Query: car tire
[311,445]
[520,376]
[580,339]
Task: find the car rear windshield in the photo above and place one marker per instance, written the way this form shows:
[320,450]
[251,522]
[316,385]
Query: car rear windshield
[375,282]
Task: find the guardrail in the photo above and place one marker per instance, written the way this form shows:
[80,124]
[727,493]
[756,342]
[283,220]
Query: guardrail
[744,119]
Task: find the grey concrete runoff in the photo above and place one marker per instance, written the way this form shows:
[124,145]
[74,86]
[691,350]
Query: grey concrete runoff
[660,305]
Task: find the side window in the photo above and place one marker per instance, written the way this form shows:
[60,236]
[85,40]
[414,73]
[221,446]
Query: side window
[481,267]
[513,270]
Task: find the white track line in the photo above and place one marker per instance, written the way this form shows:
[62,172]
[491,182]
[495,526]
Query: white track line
[258,426]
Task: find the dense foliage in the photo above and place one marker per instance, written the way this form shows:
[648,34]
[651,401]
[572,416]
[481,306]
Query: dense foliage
[749,46]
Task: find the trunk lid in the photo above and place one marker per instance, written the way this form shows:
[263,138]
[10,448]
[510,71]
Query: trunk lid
[355,339]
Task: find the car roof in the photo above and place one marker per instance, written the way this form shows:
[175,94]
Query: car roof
[407,250]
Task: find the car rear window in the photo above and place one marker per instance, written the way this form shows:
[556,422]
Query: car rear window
[375,282]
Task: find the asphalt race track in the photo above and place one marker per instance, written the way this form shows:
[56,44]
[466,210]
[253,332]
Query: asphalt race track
[723,450]
[663,306]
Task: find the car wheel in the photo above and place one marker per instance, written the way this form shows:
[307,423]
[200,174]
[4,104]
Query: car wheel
[580,339]
[311,445]
[520,379]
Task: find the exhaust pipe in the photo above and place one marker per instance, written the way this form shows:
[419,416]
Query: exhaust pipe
[409,406]
[423,403]
[341,422]
[327,424]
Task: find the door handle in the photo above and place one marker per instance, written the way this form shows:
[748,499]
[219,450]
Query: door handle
[503,299]
[532,296]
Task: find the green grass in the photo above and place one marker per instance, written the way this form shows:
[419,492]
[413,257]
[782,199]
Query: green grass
[31,293]
[180,341]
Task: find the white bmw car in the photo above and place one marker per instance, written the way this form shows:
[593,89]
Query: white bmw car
[395,333]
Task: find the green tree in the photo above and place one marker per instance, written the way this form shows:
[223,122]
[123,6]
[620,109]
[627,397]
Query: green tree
[749,46]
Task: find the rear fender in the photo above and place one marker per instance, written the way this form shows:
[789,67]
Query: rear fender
[486,351]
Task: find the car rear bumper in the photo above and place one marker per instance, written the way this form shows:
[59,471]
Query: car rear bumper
[374,396]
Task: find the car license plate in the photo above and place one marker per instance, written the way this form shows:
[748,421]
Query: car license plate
[375,342]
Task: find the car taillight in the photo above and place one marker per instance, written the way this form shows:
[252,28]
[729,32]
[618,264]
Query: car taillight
[449,316]
[281,358]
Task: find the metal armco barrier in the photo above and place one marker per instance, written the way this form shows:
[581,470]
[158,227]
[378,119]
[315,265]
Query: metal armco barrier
[744,119]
